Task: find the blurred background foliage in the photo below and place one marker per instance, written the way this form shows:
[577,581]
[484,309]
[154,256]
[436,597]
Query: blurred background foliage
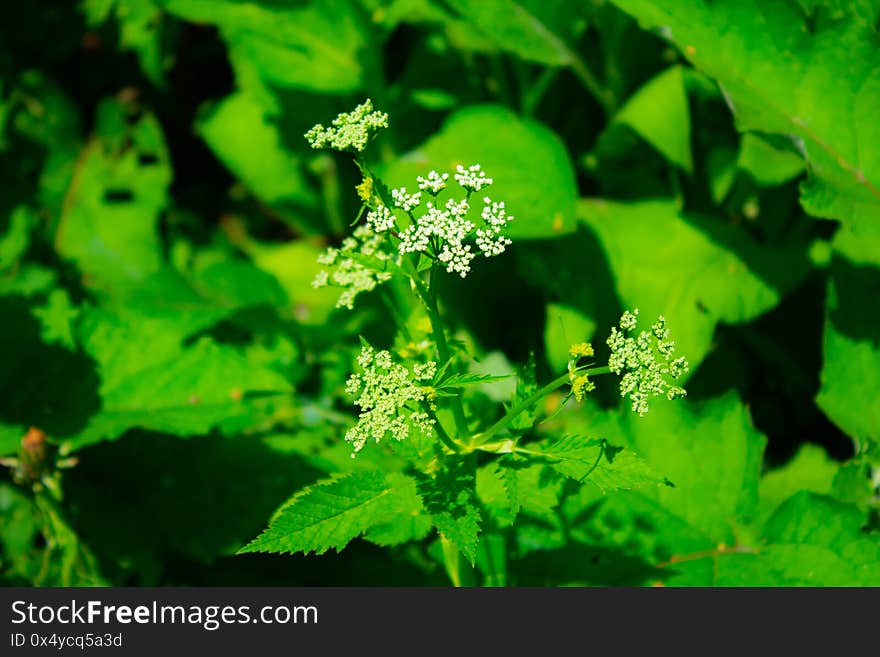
[170,376]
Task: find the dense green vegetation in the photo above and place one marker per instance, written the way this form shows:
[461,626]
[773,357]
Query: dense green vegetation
[187,399]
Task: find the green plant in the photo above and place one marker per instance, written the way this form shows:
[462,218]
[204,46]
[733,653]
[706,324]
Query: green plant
[420,398]
[197,307]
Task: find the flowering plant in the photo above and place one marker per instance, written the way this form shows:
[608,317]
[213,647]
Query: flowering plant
[420,398]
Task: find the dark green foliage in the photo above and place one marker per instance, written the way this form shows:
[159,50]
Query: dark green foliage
[172,403]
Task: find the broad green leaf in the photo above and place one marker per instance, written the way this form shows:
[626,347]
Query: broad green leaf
[711,454]
[532,30]
[850,377]
[450,500]
[196,389]
[810,469]
[767,164]
[330,513]
[816,541]
[810,76]
[529,164]
[109,226]
[593,460]
[317,46]
[242,135]
[659,112]
[696,271]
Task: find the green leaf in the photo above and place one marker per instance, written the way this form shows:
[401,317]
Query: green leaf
[767,164]
[529,164]
[528,29]
[316,46]
[330,513]
[710,452]
[809,470]
[140,30]
[817,541]
[659,112]
[57,318]
[696,271]
[242,135]
[850,376]
[15,241]
[450,500]
[780,65]
[109,226]
[196,389]
[498,490]
[594,460]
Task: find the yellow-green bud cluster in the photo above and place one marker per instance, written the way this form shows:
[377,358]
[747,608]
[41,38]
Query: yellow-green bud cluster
[390,396]
[351,131]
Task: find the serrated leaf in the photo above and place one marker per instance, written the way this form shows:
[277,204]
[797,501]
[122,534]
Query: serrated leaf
[817,541]
[330,513]
[532,171]
[498,490]
[450,500]
[779,65]
[594,460]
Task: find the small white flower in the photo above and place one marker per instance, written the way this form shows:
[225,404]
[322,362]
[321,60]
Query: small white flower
[381,219]
[472,179]
[434,183]
[350,130]
[404,201]
[346,272]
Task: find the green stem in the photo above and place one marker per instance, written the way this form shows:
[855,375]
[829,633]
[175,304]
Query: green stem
[529,401]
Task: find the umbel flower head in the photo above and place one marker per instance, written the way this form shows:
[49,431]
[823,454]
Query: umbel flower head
[345,268]
[390,396]
[444,231]
[646,362]
[351,131]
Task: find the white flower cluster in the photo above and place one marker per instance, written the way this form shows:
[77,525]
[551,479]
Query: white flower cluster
[472,179]
[445,232]
[434,183]
[381,219]
[346,272]
[350,130]
[390,397]
[645,361]
[404,201]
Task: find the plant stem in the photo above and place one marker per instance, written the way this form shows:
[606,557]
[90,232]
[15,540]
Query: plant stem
[529,401]
[429,299]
